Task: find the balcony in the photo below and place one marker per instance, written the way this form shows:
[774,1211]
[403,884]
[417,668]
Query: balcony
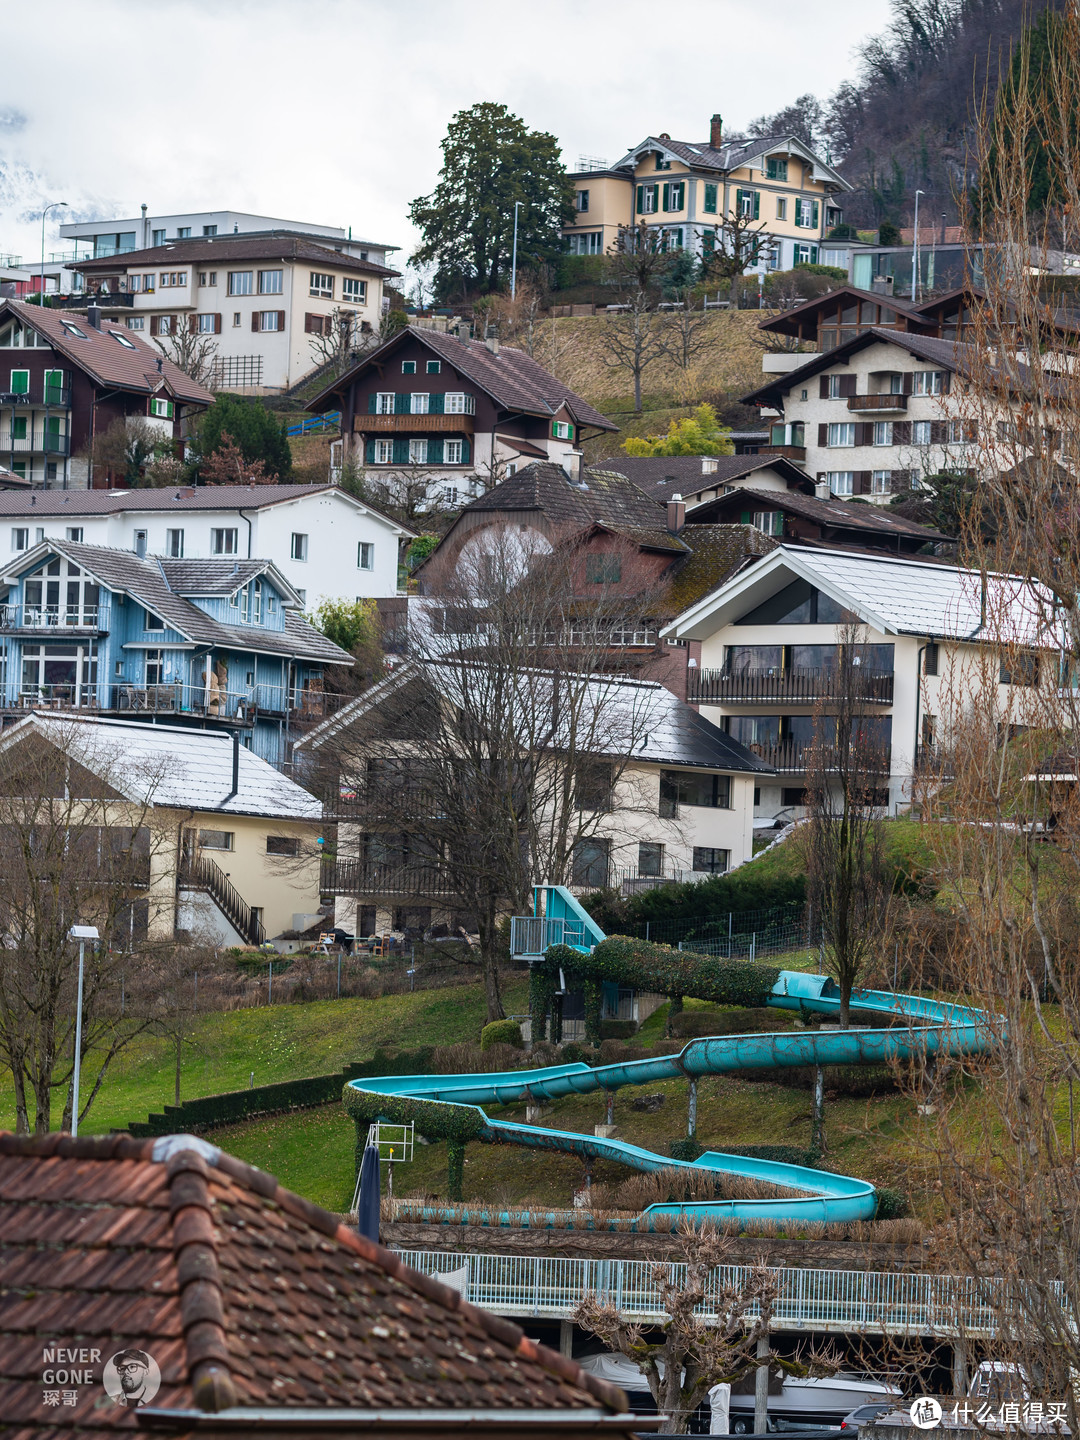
[90,619]
[56,444]
[237,708]
[786,452]
[107,300]
[413,424]
[878,403]
[791,757]
[361,877]
[742,687]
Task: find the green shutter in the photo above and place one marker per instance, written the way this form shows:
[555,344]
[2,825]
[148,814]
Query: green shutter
[401,450]
[466,451]
[435,450]
[371,401]
[798,213]
[817,212]
[710,199]
[641,199]
[757,204]
[813,254]
[402,403]
[436,404]
[667,195]
[745,517]
[369,450]
[20,382]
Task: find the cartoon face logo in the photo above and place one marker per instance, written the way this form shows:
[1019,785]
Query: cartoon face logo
[132,1378]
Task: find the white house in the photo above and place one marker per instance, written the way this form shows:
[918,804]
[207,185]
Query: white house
[768,644]
[326,543]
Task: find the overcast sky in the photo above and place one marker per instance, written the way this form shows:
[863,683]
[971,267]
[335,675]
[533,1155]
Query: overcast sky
[332,110]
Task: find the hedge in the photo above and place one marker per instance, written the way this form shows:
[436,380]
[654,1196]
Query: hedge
[437,1119]
[210,1111]
[501,1032]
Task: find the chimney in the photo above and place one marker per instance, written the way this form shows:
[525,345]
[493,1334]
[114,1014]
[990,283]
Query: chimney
[676,514]
[93,316]
[491,340]
[882,284]
[571,463]
[716,132]
[821,490]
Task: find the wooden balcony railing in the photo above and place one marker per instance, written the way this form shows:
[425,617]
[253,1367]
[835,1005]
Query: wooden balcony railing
[877,402]
[413,424]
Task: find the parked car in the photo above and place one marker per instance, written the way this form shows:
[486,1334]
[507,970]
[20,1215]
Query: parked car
[863,1415]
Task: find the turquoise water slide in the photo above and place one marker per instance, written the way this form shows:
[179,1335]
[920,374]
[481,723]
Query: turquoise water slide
[918,1027]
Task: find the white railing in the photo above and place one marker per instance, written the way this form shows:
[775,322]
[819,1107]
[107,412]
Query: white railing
[883,1302]
[531,935]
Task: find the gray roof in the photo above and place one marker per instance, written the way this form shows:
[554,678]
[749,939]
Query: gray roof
[869,518]
[145,580]
[702,155]
[662,476]
[210,577]
[171,765]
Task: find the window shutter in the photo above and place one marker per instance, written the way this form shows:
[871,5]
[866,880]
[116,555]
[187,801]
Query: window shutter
[757,204]
[817,212]
[402,403]
[667,195]
[155,324]
[946,377]
[939,432]
[798,212]
[401,450]
[901,432]
[862,482]
[847,385]
[371,403]
[466,451]
[309,324]
[909,382]
[680,199]
[744,518]
[864,433]
[281,320]
[640,199]
[217,324]
[823,387]
[436,404]
[435,450]
[255,320]
[369,450]
[192,324]
[823,434]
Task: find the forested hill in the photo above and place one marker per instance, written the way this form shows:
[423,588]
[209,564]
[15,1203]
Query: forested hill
[907,123]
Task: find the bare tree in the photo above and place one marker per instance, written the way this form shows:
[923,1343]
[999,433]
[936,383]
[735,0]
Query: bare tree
[689,333]
[130,448]
[843,840]
[482,764]
[697,1350]
[740,244]
[190,350]
[340,340]
[631,338]
[639,257]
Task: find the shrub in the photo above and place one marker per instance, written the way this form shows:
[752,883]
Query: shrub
[617,1029]
[686,1150]
[501,1032]
[892,1204]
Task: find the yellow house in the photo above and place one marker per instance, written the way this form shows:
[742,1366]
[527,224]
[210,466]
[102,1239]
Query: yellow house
[687,191]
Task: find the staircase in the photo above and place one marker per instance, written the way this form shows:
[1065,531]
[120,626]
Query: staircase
[199,872]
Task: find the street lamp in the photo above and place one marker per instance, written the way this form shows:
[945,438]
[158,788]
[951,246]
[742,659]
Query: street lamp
[82,933]
[56,204]
[513,264]
[915,248]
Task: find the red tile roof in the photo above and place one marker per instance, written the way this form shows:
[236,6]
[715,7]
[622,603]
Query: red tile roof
[244,1294]
[131,365]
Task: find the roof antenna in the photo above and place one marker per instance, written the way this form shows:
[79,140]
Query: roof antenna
[235,769]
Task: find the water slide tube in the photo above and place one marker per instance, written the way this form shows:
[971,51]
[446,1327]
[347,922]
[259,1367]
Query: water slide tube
[919,1027]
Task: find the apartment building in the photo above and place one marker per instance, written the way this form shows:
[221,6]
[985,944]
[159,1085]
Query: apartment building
[65,378]
[263,302]
[769,639]
[686,190]
[327,544]
[458,413]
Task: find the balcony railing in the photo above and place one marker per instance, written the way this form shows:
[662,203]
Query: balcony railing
[404,424]
[108,300]
[401,800]
[788,452]
[54,617]
[793,757]
[129,698]
[56,444]
[877,402]
[361,877]
[715,687]
[530,935]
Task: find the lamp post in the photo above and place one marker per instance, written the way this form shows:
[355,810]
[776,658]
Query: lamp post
[513,263]
[56,204]
[82,933]
[915,248]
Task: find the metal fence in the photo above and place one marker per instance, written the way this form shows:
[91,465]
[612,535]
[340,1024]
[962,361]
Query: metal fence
[776,930]
[843,1301]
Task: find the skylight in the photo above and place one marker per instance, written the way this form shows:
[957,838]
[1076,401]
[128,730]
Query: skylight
[73,329]
[122,340]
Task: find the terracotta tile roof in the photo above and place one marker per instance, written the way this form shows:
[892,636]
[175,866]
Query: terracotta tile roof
[224,250]
[244,1294]
[127,362]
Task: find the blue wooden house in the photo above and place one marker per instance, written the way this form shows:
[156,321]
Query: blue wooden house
[220,643]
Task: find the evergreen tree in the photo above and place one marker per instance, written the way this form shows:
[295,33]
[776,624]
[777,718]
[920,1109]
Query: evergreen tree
[490,160]
[255,431]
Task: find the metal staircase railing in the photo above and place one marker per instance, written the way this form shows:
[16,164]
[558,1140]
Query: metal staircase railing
[199,872]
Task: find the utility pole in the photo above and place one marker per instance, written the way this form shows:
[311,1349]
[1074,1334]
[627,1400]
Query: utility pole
[915,250]
[82,933]
[513,265]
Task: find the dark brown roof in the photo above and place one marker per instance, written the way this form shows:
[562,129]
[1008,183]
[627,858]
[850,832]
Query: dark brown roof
[662,476]
[127,363]
[603,496]
[226,250]
[949,354]
[716,552]
[782,324]
[244,1294]
[832,513]
[513,379]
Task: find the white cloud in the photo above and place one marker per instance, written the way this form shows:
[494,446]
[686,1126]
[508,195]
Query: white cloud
[332,110]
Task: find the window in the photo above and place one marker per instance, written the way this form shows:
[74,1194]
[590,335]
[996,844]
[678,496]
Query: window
[384,452]
[270,320]
[840,386]
[679,787]
[174,544]
[236,317]
[587,244]
[20,382]
[158,237]
[433,367]
[452,452]
[241,282]
[781,207]
[930,659]
[562,430]
[805,255]
[450,495]
[223,542]
[408,367]
[164,324]
[806,214]
[928,382]
[384,403]
[155,663]
[710,861]
[122,340]
[140,542]
[153,622]
[1024,670]
[650,859]
[603,569]
[674,196]
[963,432]
[841,482]
[710,199]
[299,546]
[208,324]
[647,198]
[793,795]
[136,322]
[215,839]
[590,864]
[583,202]
[883,432]
[841,435]
[922,432]
[418,452]
[365,555]
[75,533]
[208,278]
[73,330]
[354,290]
[282,845]
[775,168]
[769,522]
[321,286]
[456,402]
[748,204]
[593,786]
[20,539]
[270,282]
[418,403]
[162,409]
[209,229]
[880,482]
[183,232]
